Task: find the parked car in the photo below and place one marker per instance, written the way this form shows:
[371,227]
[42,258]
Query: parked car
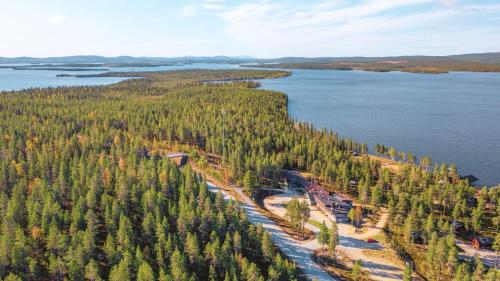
[481,242]
[371,240]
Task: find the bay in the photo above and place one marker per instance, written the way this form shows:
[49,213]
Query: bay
[453,118]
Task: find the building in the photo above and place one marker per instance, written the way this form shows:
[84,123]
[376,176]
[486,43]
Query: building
[335,206]
[180,158]
[458,227]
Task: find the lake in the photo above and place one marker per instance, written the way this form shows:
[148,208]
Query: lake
[21,79]
[453,118]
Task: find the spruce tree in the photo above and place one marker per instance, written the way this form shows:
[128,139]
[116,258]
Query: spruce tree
[323,235]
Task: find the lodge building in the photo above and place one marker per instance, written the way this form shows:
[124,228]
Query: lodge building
[335,205]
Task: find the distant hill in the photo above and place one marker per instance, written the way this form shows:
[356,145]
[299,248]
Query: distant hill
[121,60]
[484,57]
[491,58]
[485,62]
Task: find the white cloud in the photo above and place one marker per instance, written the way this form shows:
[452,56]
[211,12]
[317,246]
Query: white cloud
[450,3]
[57,19]
[329,26]
[186,12]
[212,6]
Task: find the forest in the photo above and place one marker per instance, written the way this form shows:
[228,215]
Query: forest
[81,198]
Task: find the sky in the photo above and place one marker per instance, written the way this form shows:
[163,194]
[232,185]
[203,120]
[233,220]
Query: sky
[264,29]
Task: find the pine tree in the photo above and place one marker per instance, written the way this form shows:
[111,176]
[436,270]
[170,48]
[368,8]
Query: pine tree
[121,271]
[304,215]
[248,181]
[496,245]
[178,266]
[110,250]
[350,216]
[12,277]
[145,273]
[192,250]
[267,247]
[479,269]
[492,275]
[407,275]
[237,242]
[334,239]
[356,271]
[125,235]
[429,227]
[92,271]
[323,235]
[4,253]
[293,214]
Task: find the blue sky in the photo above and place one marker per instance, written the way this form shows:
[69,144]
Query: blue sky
[255,28]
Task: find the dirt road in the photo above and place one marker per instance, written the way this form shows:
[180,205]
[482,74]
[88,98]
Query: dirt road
[487,256]
[377,259]
[300,253]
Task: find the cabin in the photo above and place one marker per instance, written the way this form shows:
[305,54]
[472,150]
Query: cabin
[180,158]
[458,227]
[417,237]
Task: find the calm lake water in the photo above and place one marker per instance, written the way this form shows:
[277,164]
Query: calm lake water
[21,79]
[453,118]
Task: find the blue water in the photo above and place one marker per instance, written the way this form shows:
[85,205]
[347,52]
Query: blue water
[21,79]
[453,118]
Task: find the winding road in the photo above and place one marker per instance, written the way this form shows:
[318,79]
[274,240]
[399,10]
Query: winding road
[299,252]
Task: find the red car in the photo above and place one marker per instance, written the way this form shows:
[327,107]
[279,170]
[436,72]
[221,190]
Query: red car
[371,240]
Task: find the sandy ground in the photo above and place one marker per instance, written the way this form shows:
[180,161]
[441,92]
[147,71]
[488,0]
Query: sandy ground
[299,252]
[379,260]
[487,256]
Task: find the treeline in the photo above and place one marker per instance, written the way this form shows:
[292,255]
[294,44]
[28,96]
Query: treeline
[195,75]
[80,198]
[433,65]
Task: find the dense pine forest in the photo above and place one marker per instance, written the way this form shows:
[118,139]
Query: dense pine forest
[80,198]
[83,198]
